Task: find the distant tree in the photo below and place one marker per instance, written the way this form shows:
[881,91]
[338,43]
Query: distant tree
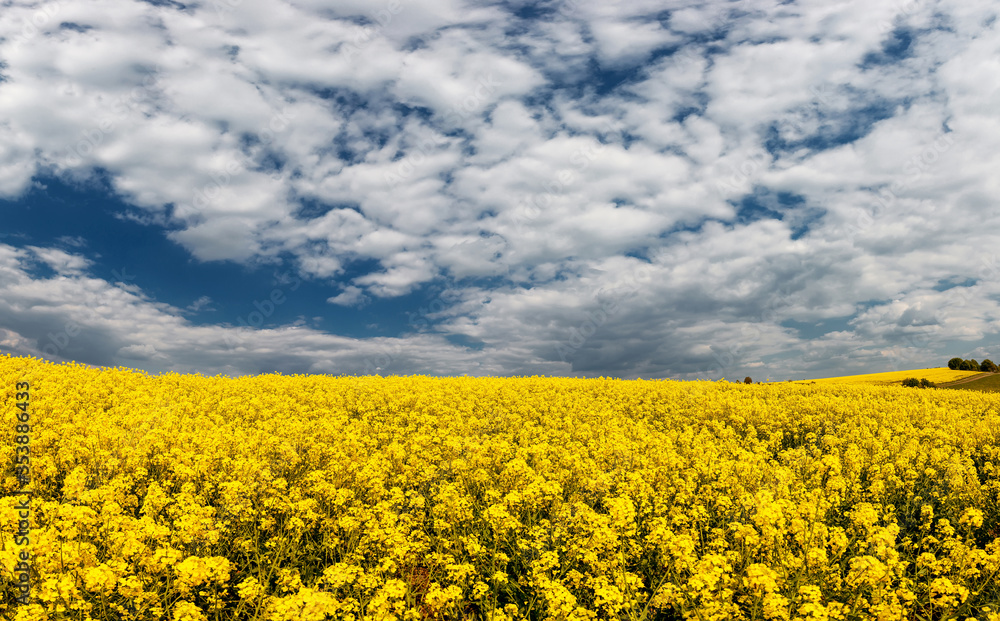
[954,363]
[747,380]
[965,365]
[925,383]
[974,365]
[988,366]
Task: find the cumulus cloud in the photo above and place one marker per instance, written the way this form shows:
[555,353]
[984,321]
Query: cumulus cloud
[799,185]
[60,261]
[350,296]
[202,303]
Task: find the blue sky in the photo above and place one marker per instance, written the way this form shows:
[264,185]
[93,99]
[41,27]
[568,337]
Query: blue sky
[671,189]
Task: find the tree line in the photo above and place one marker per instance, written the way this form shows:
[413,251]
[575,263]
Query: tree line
[958,364]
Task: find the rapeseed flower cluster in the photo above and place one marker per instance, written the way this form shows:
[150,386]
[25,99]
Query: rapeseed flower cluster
[268,498]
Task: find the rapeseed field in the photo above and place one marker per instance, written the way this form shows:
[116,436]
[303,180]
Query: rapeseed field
[938,376]
[186,498]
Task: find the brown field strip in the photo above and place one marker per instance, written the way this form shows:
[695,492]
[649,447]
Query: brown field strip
[964,380]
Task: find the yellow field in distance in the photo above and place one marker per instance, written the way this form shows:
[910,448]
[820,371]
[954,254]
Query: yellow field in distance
[938,376]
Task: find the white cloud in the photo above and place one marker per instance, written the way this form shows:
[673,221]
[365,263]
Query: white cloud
[61,262]
[350,296]
[140,352]
[629,42]
[450,143]
[204,302]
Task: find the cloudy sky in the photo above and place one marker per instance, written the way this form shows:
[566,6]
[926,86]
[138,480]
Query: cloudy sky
[657,189]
